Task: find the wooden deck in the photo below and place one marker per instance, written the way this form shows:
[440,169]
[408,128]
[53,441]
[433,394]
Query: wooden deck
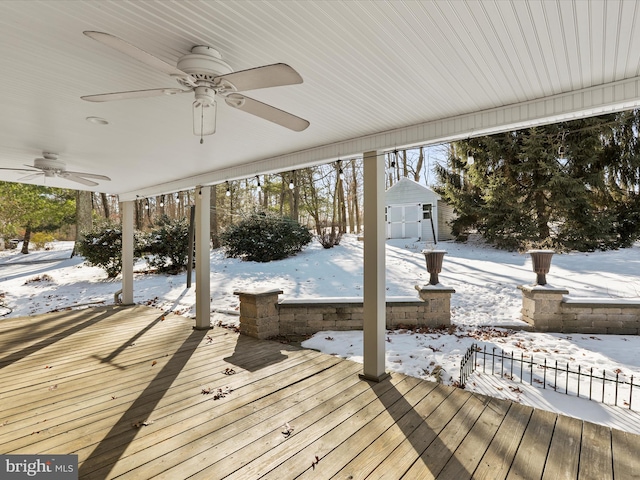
[86,382]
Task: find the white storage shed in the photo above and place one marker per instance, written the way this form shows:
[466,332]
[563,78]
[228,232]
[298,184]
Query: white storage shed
[411,211]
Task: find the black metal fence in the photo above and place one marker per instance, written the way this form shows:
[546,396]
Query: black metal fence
[613,388]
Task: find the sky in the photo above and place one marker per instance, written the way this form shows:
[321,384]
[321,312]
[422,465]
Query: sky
[485,309]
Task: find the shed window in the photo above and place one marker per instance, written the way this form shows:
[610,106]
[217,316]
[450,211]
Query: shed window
[426,211]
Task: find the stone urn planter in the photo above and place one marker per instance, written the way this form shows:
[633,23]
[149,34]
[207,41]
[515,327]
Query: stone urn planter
[434,264]
[541,261]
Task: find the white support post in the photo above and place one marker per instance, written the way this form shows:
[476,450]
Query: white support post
[203,265]
[127,209]
[374,268]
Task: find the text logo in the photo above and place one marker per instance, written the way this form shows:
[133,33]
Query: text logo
[50,467]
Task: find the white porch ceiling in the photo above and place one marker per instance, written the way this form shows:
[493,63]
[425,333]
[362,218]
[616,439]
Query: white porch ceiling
[377,75]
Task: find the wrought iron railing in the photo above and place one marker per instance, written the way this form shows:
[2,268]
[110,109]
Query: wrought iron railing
[613,388]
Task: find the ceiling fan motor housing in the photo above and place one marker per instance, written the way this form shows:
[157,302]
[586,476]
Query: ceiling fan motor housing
[49,164]
[204,63]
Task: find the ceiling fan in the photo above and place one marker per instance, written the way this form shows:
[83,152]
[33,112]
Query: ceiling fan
[49,166]
[204,73]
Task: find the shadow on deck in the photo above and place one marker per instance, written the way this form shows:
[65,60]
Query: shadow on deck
[139,394]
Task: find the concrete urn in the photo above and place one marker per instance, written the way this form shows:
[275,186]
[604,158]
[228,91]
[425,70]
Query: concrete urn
[434,264]
[541,262]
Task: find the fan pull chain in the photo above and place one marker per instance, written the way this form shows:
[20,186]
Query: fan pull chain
[201,124]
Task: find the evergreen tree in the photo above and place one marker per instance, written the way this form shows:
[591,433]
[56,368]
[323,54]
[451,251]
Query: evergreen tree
[572,185]
[34,208]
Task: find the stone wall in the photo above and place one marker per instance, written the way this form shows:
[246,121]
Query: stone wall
[550,310]
[263,315]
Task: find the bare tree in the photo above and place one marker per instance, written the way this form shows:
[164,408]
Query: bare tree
[105,205]
[213,217]
[84,220]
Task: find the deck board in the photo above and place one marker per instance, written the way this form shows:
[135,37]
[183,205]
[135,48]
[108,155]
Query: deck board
[496,461]
[595,455]
[564,451]
[77,382]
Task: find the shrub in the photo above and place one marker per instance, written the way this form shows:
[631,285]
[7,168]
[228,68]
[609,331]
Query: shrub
[265,237]
[167,245]
[330,238]
[41,240]
[102,247]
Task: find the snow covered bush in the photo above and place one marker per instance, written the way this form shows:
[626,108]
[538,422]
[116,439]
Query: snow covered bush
[265,237]
[166,246]
[102,247]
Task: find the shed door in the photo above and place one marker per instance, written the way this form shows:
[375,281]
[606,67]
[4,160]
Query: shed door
[404,221]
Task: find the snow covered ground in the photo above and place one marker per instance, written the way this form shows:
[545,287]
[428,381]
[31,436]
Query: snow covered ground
[485,308]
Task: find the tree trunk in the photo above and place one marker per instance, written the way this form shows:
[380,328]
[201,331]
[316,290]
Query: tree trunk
[139,214]
[342,212]
[160,206]
[295,197]
[416,175]
[105,205]
[266,188]
[356,203]
[84,220]
[27,237]
[405,168]
[542,217]
[213,217]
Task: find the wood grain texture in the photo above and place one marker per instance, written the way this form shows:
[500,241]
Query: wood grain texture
[121,387]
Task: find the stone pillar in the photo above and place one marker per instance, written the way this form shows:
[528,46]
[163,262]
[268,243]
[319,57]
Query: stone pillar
[542,307]
[439,300]
[259,314]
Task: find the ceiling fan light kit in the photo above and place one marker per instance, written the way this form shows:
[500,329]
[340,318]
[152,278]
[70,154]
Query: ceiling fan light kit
[203,72]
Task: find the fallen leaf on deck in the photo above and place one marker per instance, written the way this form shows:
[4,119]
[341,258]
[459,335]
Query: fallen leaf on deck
[222,393]
[153,363]
[141,423]
[288,430]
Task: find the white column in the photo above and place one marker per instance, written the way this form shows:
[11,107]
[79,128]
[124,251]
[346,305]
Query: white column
[374,268]
[127,209]
[203,263]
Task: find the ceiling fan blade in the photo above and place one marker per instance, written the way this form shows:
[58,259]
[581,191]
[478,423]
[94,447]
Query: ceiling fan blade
[30,177]
[156,92]
[77,179]
[20,169]
[135,52]
[262,77]
[88,175]
[262,110]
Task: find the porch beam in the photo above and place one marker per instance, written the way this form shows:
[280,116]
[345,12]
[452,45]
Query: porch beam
[586,102]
